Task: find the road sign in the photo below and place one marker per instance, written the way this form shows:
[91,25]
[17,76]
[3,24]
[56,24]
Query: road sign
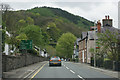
[26,44]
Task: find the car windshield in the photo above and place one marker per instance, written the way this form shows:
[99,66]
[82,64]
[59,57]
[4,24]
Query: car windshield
[55,58]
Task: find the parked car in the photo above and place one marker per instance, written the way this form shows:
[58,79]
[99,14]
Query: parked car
[55,61]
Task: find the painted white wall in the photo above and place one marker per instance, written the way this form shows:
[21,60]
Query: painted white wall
[46,55]
[42,53]
[83,56]
[6,49]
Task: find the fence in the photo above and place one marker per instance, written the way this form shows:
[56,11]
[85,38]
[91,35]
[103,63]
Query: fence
[108,64]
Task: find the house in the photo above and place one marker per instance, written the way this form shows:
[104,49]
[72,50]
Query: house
[76,48]
[89,38]
[108,25]
[7,50]
[83,48]
[87,42]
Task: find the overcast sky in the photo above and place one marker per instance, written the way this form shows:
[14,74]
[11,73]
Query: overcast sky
[91,10]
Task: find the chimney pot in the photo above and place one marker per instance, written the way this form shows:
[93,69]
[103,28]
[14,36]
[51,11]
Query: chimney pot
[105,17]
[108,16]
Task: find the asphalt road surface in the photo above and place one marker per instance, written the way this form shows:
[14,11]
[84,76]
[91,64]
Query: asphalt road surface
[70,70]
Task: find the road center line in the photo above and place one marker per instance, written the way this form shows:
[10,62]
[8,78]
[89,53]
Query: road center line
[80,77]
[67,67]
[38,71]
[72,71]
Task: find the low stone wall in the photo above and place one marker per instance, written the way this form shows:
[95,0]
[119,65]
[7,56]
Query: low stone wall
[14,62]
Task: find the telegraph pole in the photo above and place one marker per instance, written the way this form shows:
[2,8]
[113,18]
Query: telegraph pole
[94,44]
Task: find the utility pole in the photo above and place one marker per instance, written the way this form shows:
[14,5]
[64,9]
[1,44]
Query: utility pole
[94,44]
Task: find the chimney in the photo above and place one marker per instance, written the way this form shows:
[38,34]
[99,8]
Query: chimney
[99,26]
[105,17]
[108,16]
[107,22]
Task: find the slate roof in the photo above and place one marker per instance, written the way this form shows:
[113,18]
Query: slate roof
[84,34]
[112,29]
[78,39]
[91,35]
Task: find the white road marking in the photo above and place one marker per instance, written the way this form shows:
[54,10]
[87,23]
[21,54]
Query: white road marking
[67,67]
[80,77]
[72,71]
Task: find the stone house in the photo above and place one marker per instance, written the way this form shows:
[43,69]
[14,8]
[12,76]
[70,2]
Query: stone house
[87,42]
[83,48]
[88,39]
[90,44]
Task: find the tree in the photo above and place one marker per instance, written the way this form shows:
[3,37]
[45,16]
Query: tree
[21,23]
[65,45]
[108,42]
[33,33]
[51,51]
[29,21]
[53,31]
[4,8]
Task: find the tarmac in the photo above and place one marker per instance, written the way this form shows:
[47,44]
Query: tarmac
[25,72]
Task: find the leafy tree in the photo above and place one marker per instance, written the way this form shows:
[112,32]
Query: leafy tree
[108,42]
[34,33]
[65,45]
[46,37]
[21,22]
[51,51]
[29,21]
[53,31]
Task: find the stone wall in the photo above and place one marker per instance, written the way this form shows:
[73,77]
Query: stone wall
[14,62]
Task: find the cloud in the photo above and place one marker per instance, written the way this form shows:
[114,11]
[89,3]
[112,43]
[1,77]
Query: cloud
[59,0]
[90,10]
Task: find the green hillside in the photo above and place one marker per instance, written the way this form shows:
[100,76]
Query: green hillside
[44,25]
[53,12]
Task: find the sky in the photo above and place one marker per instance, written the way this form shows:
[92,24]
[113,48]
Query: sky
[92,10]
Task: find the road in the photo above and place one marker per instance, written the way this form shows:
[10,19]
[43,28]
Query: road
[70,70]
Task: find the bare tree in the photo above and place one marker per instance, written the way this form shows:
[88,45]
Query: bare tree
[5,7]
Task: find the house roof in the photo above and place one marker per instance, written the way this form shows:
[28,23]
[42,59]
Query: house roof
[112,29]
[84,34]
[91,35]
[76,42]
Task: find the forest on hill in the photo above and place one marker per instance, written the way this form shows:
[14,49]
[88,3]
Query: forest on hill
[43,25]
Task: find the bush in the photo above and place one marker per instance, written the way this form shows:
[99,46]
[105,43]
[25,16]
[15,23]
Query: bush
[33,51]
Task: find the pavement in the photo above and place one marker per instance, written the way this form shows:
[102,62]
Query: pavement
[105,71]
[68,70]
[23,72]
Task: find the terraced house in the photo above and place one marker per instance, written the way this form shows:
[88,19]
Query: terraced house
[89,38]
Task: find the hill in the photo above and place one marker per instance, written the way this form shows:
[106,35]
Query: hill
[53,12]
[53,22]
